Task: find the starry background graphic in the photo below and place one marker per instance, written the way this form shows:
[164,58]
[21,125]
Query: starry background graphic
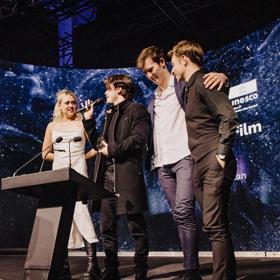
[26,103]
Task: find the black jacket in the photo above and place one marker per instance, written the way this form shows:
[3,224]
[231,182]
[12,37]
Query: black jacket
[131,130]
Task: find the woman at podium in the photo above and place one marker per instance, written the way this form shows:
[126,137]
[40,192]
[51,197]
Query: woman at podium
[70,152]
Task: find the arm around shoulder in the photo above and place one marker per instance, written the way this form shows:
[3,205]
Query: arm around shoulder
[215,80]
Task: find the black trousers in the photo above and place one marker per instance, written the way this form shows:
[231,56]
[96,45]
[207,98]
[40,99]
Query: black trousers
[136,225]
[211,185]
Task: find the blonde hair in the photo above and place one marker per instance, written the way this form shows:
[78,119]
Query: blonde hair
[190,49]
[57,114]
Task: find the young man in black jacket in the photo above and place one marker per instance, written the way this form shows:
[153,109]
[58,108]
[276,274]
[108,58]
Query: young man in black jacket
[118,167]
[211,124]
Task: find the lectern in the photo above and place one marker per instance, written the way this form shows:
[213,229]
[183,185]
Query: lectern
[57,191]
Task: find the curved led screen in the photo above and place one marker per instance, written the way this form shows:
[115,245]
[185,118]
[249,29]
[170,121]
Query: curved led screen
[251,63]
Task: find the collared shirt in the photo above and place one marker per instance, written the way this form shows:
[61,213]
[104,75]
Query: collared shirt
[170,131]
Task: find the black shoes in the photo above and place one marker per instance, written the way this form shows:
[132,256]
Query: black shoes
[141,275]
[110,274]
[192,275]
[65,274]
[93,270]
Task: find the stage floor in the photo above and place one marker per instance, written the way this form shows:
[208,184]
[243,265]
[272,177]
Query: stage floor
[165,268]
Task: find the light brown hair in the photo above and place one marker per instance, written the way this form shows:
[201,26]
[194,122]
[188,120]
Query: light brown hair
[154,52]
[192,50]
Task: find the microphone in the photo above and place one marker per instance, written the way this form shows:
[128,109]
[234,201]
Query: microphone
[98,101]
[74,139]
[57,140]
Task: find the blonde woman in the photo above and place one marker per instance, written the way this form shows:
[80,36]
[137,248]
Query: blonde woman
[68,124]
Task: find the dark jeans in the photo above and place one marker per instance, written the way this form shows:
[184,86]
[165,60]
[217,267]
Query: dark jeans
[136,225]
[176,182]
[212,188]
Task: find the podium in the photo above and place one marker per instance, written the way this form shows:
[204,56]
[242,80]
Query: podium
[57,191]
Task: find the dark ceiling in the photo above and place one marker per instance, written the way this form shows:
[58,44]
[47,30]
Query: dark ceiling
[123,27]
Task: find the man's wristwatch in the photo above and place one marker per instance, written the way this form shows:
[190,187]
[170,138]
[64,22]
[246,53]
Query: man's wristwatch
[221,157]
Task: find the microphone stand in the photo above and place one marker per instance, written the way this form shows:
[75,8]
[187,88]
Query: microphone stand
[42,164]
[57,140]
[44,159]
[69,152]
[75,139]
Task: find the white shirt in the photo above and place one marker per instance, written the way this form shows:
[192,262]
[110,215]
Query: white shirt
[170,130]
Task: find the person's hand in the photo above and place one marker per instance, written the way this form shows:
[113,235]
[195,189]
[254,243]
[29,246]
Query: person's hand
[213,80]
[89,109]
[104,149]
[221,162]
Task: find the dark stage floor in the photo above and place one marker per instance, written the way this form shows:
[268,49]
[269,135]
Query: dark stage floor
[11,268]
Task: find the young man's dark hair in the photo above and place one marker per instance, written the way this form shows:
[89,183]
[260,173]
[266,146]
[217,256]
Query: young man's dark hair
[124,82]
